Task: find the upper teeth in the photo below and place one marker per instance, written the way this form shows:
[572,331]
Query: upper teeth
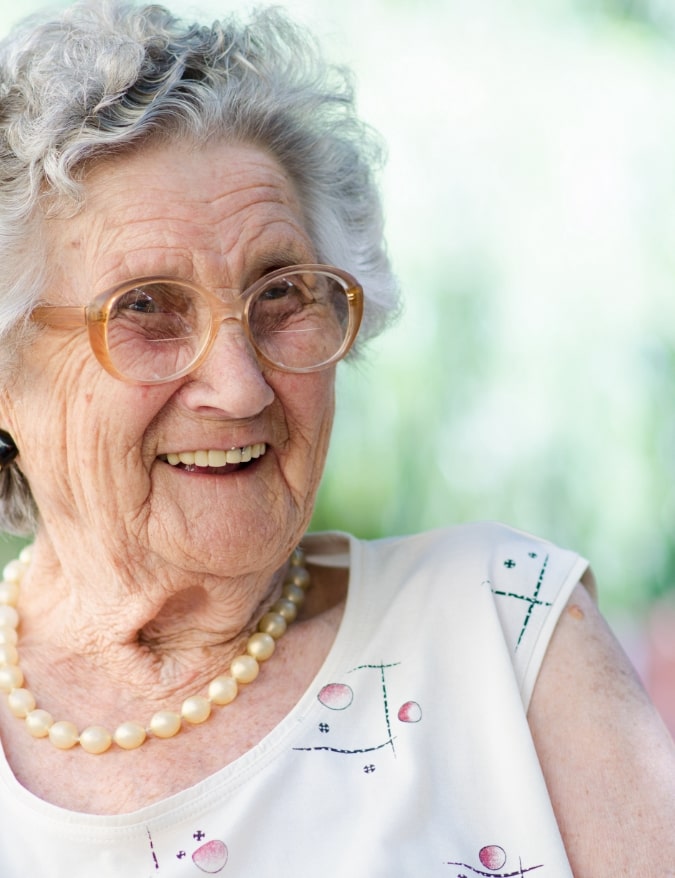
[217,457]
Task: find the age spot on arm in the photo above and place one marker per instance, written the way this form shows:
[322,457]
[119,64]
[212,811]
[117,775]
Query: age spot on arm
[575,611]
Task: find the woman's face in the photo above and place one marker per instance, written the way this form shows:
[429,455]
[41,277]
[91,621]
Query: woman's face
[94,449]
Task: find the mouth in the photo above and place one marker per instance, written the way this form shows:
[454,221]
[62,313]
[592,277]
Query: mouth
[214,461]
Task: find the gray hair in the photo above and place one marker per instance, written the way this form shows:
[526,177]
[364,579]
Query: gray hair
[104,77]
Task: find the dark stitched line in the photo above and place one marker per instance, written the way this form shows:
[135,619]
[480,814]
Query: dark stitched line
[535,597]
[385,698]
[348,752]
[521,597]
[520,871]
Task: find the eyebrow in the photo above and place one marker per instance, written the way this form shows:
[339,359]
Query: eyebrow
[277,257]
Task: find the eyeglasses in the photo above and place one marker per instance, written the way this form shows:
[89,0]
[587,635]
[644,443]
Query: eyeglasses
[155,329]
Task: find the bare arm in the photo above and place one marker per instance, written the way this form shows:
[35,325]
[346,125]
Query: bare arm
[607,757]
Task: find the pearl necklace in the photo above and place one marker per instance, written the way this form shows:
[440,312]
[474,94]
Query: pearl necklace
[165,723]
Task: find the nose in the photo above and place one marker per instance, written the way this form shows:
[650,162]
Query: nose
[229,381]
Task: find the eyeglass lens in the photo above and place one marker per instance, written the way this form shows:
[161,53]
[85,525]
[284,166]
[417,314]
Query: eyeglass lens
[157,330]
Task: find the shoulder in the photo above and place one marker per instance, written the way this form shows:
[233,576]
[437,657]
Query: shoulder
[607,758]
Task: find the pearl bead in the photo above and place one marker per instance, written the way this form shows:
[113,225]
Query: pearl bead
[273,624]
[63,735]
[9,593]
[285,608]
[223,690]
[244,668]
[11,677]
[8,616]
[8,654]
[13,571]
[95,739]
[297,557]
[129,735]
[39,722]
[260,646]
[196,709]
[8,635]
[165,724]
[293,593]
[25,555]
[299,576]
[21,702]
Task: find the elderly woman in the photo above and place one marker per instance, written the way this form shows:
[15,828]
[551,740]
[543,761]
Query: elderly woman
[190,240]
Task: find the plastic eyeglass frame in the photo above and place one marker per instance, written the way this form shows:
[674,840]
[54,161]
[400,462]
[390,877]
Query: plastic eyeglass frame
[95,317]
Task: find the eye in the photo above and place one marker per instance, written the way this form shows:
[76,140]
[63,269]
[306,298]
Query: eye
[137,300]
[280,290]
[278,304]
[162,297]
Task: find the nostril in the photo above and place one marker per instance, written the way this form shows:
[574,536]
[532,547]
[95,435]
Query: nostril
[229,380]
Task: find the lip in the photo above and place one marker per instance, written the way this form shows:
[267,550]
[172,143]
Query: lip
[214,460]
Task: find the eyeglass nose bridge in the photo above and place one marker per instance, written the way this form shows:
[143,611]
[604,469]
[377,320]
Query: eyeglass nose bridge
[230,313]
[225,310]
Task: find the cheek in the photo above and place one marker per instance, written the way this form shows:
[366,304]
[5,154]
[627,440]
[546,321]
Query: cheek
[308,408]
[53,382]
[308,402]
[84,451]
[76,413]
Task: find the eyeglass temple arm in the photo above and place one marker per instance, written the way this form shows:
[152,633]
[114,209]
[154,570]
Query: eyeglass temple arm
[60,316]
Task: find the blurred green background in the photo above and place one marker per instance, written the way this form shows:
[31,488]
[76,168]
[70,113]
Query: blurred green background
[530,203]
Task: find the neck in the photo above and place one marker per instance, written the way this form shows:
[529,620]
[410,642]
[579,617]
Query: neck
[243,668]
[148,626]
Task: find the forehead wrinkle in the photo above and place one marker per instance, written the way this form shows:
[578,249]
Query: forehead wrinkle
[247,250]
[181,216]
[269,184]
[199,216]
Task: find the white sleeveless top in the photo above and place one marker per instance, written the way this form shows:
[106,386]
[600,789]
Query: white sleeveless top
[409,754]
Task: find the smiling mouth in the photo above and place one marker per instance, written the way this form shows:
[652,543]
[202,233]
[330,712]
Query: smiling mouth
[215,460]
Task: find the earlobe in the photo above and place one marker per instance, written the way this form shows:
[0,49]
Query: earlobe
[8,449]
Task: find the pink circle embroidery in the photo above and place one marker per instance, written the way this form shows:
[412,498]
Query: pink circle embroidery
[336,696]
[211,857]
[410,712]
[492,856]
